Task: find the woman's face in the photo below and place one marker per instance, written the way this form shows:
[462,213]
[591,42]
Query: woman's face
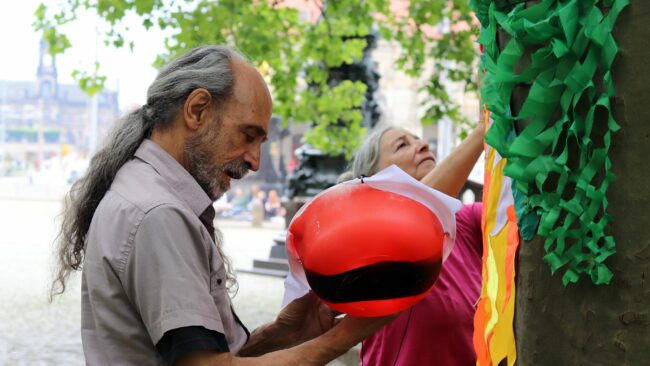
[407,151]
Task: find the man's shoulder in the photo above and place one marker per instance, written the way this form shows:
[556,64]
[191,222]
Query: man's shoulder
[138,184]
[137,196]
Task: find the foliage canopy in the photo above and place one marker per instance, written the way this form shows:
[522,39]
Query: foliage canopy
[294,52]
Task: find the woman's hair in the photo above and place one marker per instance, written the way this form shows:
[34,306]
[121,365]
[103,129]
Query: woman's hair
[206,67]
[366,159]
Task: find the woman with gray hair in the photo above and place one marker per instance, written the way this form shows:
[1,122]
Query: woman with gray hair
[438,329]
[386,145]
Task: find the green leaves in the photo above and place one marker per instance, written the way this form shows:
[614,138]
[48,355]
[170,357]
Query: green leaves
[58,42]
[295,54]
[90,83]
[335,116]
[444,32]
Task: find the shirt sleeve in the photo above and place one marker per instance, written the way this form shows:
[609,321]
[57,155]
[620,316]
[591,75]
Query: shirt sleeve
[181,342]
[468,227]
[167,274]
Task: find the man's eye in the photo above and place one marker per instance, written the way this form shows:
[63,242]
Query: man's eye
[401,145]
[249,138]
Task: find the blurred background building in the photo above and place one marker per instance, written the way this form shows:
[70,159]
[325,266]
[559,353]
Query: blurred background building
[44,122]
[42,119]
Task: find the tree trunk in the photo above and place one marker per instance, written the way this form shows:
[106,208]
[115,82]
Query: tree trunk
[586,324]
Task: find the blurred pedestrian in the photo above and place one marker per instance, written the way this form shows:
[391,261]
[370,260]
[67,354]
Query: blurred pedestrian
[273,206]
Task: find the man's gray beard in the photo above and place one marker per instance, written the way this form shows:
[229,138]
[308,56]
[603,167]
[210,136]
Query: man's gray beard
[206,173]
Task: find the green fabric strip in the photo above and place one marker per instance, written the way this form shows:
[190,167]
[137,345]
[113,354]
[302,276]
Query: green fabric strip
[559,161]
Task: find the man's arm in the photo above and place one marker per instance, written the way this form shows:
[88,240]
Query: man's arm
[318,351]
[302,320]
[265,339]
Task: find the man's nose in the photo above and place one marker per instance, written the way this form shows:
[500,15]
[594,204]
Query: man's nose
[252,157]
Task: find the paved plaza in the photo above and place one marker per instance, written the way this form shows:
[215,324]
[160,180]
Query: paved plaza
[33,332]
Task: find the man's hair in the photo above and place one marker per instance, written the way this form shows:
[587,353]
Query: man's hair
[208,67]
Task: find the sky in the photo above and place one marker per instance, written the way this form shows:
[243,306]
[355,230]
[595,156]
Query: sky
[130,71]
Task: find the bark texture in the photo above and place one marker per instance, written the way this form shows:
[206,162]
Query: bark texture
[586,324]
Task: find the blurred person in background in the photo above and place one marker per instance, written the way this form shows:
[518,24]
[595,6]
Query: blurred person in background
[273,206]
[238,203]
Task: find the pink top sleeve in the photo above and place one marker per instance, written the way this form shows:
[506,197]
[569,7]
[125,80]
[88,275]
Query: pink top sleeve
[468,223]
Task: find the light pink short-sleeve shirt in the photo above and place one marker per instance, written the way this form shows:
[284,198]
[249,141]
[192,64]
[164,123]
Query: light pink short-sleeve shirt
[151,265]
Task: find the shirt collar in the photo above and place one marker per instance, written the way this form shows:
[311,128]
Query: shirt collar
[173,172]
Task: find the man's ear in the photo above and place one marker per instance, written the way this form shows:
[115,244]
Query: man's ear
[197,109]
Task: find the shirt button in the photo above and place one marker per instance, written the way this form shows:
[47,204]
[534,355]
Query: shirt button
[219,281]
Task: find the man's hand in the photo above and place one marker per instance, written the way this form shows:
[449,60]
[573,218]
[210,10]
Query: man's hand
[306,332]
[317,352]
[305,318]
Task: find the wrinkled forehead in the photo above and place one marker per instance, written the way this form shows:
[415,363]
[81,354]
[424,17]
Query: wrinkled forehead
[250,88]
[395,134]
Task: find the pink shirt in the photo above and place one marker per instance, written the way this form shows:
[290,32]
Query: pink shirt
[439,331]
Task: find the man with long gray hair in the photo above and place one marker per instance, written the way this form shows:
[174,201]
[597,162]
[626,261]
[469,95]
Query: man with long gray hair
[140,227]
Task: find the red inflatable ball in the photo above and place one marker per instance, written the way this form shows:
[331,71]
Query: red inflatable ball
[366,251]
